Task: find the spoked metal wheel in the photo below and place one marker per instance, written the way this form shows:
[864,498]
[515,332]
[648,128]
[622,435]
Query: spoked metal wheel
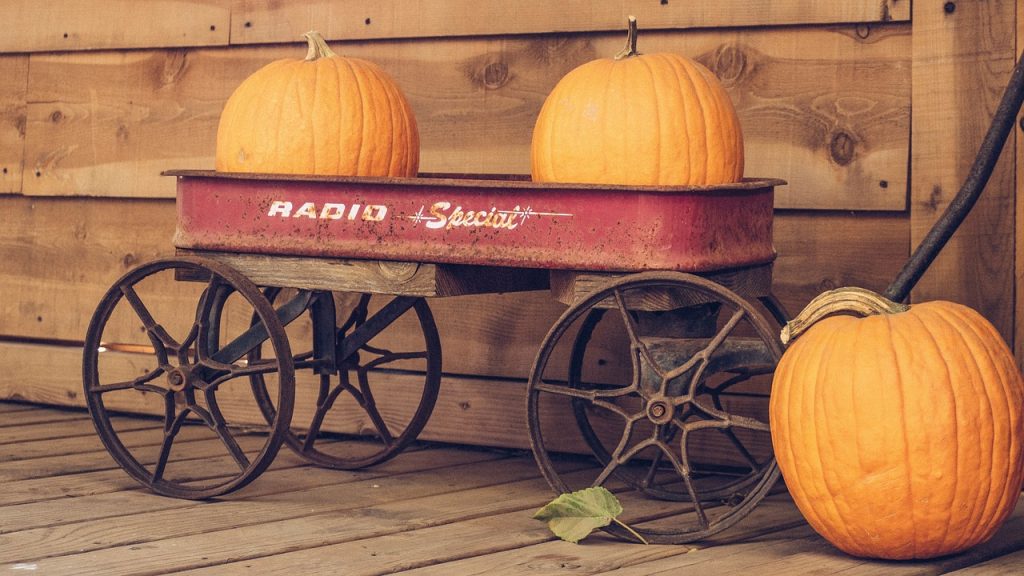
[186,369]
[666,380]
[375,372]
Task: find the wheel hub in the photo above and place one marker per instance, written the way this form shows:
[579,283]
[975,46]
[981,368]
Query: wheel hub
[660,411]
[179,378]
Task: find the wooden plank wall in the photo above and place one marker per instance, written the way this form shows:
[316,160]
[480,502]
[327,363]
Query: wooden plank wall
[98,96]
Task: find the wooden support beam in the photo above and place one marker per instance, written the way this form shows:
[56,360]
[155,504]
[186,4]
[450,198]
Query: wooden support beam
[378,276]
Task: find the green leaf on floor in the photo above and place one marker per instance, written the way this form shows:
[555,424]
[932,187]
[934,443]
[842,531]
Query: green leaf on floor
[575,515]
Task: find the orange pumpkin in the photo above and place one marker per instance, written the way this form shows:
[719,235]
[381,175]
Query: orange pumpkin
[326,114]
[638,119]
[901,434]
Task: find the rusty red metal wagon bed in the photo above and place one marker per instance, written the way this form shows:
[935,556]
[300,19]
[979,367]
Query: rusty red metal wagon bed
[676,281]
[497,221]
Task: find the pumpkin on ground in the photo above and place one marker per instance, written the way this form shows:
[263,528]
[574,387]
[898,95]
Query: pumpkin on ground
[651,119]
[899,434]
[326,114]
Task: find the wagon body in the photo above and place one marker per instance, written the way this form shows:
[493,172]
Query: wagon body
[497,221]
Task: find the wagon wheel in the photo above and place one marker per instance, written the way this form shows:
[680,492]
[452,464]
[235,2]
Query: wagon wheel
[645,428]
[189,368]
[381,397]
[739,374]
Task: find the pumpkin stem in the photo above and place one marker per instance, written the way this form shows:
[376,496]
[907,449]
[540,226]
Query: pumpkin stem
[849,300]
[318,47]
[630,49]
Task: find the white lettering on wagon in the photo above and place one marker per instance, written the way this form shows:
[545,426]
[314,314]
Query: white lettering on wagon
[329,211]
[442,215]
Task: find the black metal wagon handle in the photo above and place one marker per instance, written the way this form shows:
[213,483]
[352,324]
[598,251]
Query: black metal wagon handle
[971,189]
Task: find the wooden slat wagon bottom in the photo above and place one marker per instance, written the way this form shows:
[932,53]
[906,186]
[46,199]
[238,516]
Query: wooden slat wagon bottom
[66,508]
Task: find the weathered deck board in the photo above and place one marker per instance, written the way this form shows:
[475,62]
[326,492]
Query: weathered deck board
[449,527]
[69,428]
[12,407]
[272,499]
[48,512]
[433,510]
[26,416]
[1009,565]
[556,557]
[75,453]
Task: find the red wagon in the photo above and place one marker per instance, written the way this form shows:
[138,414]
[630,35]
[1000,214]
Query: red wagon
[670,315]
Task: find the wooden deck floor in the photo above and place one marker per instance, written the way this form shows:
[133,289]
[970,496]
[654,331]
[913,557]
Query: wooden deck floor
[66,509]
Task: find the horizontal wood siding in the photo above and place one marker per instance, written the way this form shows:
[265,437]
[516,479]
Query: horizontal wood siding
[73,25]
[58,25]
[833,122]
[256,21]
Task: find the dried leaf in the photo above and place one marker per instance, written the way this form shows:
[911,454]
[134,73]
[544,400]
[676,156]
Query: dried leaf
[575,515]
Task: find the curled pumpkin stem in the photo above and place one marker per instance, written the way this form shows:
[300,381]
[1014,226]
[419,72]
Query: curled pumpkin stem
[318,47]
[630,49]
[850,300]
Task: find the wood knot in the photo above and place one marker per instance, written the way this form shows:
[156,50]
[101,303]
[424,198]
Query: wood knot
[56,116]
[495,75]
[488,72]
[561,51]
[398,271]
[934,199]
[729,63]
[174,65]
[842,148]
